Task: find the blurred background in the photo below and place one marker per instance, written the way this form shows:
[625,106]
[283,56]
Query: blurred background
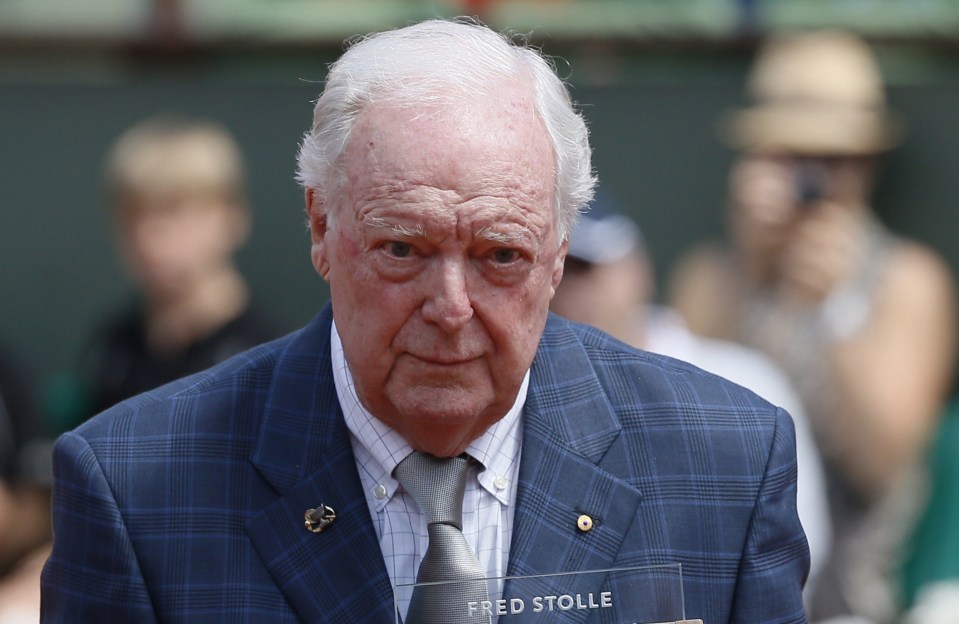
[653,77]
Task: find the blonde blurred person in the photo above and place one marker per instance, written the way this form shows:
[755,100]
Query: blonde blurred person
[177,199]
[862,320]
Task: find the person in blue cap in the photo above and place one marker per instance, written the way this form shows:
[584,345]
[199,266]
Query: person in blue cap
[609,283]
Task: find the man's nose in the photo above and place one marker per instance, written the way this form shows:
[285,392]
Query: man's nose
[447,303]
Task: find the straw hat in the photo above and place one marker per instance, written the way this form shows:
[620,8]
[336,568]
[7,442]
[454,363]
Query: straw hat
[815,93]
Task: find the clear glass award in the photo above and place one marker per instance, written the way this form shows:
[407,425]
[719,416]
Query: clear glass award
[638,595]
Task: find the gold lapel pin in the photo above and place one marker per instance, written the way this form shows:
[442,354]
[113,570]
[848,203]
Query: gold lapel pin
[584,523]
[315,520]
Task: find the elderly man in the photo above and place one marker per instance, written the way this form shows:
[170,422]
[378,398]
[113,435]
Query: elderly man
[443,170]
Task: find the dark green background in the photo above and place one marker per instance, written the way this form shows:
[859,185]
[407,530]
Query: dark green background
[652,115]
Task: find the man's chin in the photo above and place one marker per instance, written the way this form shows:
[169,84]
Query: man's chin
[443,421]
[443,407]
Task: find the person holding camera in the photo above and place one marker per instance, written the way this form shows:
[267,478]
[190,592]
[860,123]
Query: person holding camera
[863,320]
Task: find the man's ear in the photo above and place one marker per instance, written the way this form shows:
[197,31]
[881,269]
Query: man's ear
[316,215]
[558,266]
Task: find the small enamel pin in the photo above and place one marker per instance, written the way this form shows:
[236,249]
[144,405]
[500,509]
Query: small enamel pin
[584,523]
[316,520]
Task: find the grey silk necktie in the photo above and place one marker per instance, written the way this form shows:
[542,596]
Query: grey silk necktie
[438,486]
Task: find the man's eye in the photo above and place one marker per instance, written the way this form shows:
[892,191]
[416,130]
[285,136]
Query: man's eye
[505,256]
[399,250]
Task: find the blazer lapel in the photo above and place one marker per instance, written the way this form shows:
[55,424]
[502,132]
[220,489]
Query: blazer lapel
[304,452]
[572,512]
[336,575]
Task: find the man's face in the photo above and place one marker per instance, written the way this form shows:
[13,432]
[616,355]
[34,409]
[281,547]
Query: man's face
[442,255]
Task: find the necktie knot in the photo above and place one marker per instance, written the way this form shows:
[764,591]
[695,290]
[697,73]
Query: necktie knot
[437,484]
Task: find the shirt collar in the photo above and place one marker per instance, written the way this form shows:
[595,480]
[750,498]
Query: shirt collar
[379,448]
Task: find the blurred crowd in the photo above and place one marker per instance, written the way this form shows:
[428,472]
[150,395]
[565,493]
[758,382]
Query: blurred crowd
[862,320]
[809,300]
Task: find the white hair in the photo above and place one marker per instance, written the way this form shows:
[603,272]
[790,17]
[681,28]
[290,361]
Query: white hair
[430,61]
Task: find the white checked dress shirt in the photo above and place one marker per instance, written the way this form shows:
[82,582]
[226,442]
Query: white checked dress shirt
[487,505]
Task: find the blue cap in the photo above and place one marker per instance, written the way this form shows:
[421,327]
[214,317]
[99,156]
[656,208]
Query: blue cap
[603,234]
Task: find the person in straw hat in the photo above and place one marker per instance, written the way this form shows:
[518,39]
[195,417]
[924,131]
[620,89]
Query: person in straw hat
[862,320]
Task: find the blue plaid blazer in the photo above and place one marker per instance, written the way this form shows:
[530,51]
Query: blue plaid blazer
[186,504]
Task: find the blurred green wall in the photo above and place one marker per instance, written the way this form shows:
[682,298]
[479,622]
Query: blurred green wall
[652,115]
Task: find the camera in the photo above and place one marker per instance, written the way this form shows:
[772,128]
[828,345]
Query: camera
[812,181]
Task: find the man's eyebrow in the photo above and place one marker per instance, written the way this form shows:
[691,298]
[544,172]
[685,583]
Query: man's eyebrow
[495,236]
[395,228]
[487,233]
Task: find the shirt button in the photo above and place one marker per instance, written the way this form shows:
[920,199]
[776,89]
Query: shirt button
[500,482]
[379,491]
